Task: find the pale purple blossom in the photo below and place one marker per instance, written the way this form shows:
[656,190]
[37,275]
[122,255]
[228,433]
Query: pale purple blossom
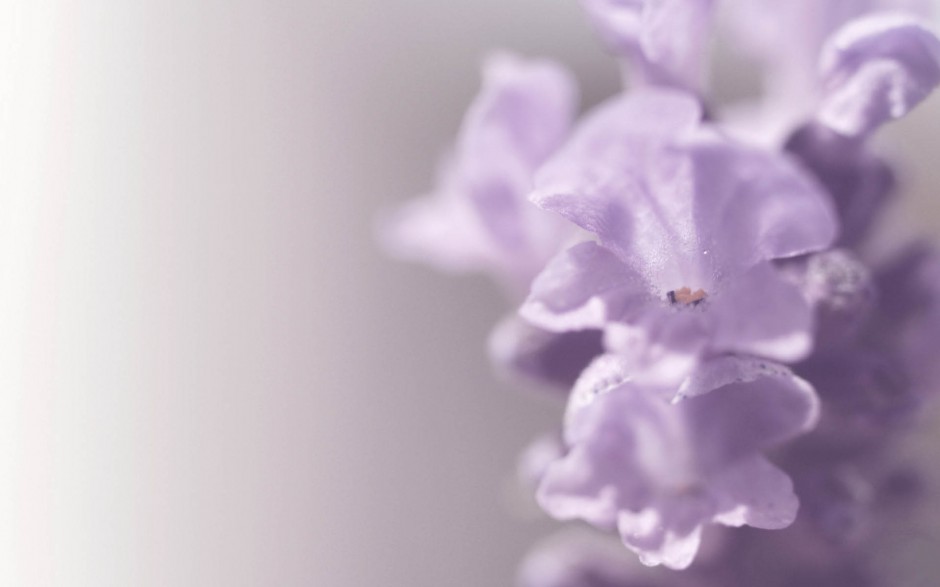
[477,217]
[659,471]
[787,38]
[705,264]
[875,69]
[678,210]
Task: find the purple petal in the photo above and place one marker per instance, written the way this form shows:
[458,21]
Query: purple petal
[724,370]
[526,107]
[661,470]
[655,542]
[753,205]
[876,69]
[762,406]
[662,346]
[577,487]
[477,218]
[683,209]
[599,175]
[584,287]
[757,494]
[763,314]
[786,38]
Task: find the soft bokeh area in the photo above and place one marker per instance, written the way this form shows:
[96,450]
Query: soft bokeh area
[209,373]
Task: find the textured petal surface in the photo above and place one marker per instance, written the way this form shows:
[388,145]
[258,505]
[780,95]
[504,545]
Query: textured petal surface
[683,207]
[598,180]
[752,205]
[876,69]
[661,470]
[584,287]
[761,313]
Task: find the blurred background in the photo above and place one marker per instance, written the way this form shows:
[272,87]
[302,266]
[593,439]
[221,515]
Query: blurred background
[209,374]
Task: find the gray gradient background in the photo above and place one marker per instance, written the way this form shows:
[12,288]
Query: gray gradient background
[208,373]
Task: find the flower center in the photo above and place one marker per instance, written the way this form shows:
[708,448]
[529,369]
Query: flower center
[686,296]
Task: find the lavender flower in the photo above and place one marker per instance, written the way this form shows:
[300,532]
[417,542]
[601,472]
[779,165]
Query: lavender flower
[789,37]
[477,219]
[876,69]
[659,471]
[710,264]
[688,223]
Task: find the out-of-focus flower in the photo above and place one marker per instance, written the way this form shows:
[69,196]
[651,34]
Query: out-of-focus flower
[688,223]
[711,262]
[658,471]
[878,364]
[477,218]
[787,38]
[875,69]
[665,42]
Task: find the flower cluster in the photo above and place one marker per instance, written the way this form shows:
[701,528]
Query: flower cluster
[695,279]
